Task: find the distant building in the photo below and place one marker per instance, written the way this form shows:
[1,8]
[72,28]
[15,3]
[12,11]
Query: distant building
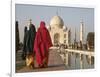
[60,34]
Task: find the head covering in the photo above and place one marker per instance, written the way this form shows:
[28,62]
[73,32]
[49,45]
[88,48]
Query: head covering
[42,43]
[42,24]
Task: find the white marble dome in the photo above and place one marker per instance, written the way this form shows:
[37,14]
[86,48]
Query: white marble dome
[56,21]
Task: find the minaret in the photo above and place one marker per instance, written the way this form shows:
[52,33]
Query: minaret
[81,31]
[75,36]
[69,36]
[75,39]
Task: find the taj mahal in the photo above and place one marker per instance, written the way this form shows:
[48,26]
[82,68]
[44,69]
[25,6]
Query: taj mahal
[59,33]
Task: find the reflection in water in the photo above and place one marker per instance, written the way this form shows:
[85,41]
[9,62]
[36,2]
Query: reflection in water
[76,55]
[69,59]
[81,61]
[92,60]
[78,61]
[87,59]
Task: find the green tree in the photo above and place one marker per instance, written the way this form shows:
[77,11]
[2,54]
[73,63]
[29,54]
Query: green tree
[90,40]
[17,36]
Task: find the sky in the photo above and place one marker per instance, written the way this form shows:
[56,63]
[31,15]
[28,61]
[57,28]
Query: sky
[70,15]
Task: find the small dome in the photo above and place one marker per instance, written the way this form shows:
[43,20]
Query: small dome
[56,21]
[64,28]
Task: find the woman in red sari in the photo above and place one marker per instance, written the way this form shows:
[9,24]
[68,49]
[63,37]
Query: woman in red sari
[41,45]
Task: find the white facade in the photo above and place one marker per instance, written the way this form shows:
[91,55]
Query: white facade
[58,32]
